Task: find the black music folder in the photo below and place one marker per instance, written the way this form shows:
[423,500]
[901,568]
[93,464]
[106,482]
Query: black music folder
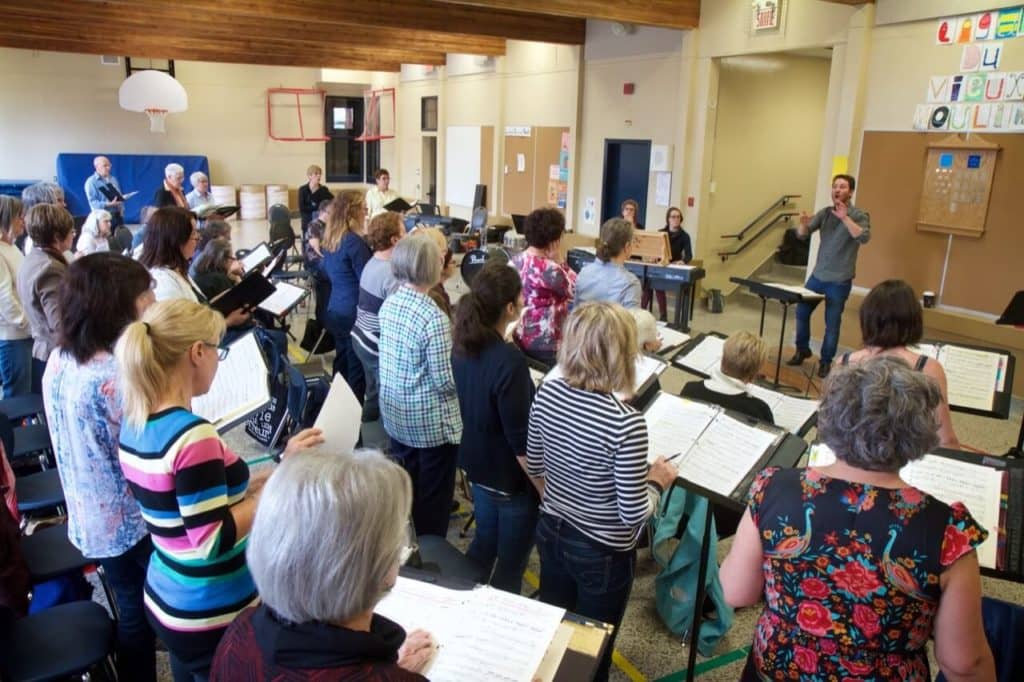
[112,193]
[249,293]
[1014,313]
[399,205]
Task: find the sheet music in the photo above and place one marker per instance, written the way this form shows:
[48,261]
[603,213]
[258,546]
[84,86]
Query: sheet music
[796,289]
[725,453]
[706,356]
[790,413]
[239,386]
[283,299]
[674,423]
[129,195]
[340,417]
[670,338]
[978,487]
[646,367]
[255,257]
[929,349]
[482,634]
[971,376]
[537,376]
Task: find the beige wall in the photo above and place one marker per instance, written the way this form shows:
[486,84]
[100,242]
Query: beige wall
[768,134]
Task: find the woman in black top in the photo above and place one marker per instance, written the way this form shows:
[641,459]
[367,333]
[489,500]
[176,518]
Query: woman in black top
[682,252]
[742,357]
[495,393]
[311,194]
[216,269]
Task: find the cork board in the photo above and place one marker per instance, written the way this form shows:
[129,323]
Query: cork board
[957,184]
[517,187]
[548,150]
[523,191]
[981,270]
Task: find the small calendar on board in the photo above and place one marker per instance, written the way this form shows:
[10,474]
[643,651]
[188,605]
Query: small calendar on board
[957,185]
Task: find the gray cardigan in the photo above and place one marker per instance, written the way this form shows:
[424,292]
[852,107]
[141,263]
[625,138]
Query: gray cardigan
[38,281]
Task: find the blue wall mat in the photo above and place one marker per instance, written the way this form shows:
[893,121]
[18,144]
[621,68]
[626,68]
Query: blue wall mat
[142,173]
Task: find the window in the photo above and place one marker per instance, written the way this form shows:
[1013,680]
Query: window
[428,114]
[348,159]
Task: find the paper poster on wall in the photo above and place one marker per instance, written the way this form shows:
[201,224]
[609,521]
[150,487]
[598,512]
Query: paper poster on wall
[552,196]
[520,163]
[1009,23]
[661,158]
[984,27]
[840,165]
[565,142]
[553,172]
[589,210]
[662,188]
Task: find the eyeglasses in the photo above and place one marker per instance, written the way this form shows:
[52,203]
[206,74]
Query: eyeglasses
[222,351]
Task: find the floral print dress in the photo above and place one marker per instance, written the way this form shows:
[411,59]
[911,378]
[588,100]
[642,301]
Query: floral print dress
[548,289]
[851,576]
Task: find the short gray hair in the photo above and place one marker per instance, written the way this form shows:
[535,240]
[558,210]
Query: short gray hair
[173,169]
[196,177]
[41,193]
[879,414]
[328,529]
[416,260]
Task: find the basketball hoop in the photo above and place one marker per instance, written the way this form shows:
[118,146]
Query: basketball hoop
[378,115]
[156,119]
[155,93]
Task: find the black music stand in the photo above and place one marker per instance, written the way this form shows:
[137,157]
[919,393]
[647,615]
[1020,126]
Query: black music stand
[1014,315]
[786,297]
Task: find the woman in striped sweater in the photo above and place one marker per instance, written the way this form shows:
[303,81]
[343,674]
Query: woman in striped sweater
[590,449]
[196,495]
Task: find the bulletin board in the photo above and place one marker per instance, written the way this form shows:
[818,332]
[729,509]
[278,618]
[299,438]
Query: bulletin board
[957,185]
[543,156]
[981,273]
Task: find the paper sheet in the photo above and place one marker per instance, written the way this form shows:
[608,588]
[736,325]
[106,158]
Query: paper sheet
[340,417]
[670,338]
[646,367]
[282,300]
[972,376]
[482,634]
[674,423]
[978,487]
[706,356]
[537,376]
[790,413]
[255,257]
[724,454]
[553,656]
[239,387]
[796,289]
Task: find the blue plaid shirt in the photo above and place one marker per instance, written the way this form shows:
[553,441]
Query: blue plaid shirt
[418,402]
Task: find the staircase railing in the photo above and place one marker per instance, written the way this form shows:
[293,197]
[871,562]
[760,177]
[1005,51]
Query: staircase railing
[782,202]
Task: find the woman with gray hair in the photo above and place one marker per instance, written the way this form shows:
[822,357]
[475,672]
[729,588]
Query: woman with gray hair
[33,195]
[857,568]
[418,402]
[95,232]
[170,194]
[321,574]
[200,194]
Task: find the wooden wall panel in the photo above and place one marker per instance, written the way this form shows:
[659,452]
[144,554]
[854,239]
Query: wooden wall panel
[487,161]
[517,188]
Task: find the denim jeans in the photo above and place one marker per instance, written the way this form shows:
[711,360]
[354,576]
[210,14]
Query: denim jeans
[16,367]
[371,373]
[505,527]
[126,575]
[835,294]
[584,576]
[346,362]
[38,369]
[432,471]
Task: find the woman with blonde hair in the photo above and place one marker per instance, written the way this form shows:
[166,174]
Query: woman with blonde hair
[195,494]
[15,334]
[589,449]
[95,231]
[345,255]
[438,293]
[607,278]
[742,357]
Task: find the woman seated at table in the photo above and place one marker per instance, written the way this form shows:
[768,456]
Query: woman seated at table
[858,569]
[588,451]
[890,321]
[548,286]
[607,278]
[742,357]
[321,574]
[495,391]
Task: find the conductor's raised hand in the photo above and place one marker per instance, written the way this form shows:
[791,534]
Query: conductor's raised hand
[805,218]
[416,652]
[304,439]
[839,210]
[662,472]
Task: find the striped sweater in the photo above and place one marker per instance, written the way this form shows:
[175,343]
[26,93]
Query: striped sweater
[591,450]
[186,480]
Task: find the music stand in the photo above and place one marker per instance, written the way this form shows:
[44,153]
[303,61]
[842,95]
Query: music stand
[1014,314]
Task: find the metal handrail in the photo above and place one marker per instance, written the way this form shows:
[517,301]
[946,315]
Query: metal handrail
[779,203]
[787,216]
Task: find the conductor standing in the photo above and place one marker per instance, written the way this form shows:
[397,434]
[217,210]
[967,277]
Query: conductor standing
[844,227]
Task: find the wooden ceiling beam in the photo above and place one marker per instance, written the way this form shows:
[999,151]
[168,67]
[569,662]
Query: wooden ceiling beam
[209,53]
[681,14]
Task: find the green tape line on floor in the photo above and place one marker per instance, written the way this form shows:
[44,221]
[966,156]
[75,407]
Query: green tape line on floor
[711,664]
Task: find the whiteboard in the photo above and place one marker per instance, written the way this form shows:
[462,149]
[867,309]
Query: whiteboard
[462,164]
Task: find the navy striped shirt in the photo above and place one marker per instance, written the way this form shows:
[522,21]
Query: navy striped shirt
[591,449]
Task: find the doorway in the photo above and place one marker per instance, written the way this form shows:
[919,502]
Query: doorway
[428,181]
[626,175]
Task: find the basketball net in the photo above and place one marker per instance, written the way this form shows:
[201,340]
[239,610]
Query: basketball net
[156,119]
[371,120]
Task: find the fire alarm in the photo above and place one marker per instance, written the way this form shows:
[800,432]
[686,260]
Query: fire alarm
[689,202]
[627,88]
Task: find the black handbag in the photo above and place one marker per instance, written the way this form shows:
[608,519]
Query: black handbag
[316,339]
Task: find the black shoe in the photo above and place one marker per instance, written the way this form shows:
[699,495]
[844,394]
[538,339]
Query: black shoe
[824,368]
[798,357]
[663,318]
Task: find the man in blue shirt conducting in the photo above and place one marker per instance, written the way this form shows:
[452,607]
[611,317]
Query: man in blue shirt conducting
[844,227]
[95,196]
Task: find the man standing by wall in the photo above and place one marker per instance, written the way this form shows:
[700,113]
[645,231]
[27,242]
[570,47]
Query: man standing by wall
[95,196]
[844,227]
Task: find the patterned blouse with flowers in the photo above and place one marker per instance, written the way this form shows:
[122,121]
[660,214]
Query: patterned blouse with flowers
[851,575]
[548,289]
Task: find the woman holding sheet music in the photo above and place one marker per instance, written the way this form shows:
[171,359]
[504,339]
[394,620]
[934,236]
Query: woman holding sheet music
[857,568]
[589,448]
[890,321]
[195,494]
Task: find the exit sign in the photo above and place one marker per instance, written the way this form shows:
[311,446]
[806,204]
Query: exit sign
[765,15]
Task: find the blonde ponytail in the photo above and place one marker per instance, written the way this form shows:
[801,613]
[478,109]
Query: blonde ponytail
[150,348]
